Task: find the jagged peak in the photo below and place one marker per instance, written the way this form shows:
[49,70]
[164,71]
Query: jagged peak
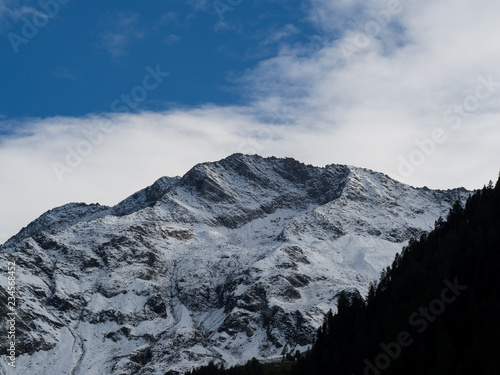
[255,167]
[146,197]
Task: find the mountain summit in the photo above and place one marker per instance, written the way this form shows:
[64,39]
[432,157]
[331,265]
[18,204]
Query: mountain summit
[238,258]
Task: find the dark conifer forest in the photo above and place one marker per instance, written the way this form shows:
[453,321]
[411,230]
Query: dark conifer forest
[435,311]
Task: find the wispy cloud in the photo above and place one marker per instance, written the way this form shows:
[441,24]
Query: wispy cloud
[120,30]
[11,11]
[172,39]
[281,35]
[170,18]
[199,4]
[64,73]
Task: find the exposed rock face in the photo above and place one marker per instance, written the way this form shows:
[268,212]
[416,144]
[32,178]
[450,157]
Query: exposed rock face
[236,259]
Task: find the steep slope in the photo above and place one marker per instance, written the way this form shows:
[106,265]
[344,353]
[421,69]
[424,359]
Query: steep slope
[237,259]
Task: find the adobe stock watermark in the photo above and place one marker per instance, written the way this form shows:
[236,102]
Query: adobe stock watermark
[419,320]
[455,117]
[11,316]
[139,93]
[264,136]
[39,19]
[378,21]
[222,7]
[92,138]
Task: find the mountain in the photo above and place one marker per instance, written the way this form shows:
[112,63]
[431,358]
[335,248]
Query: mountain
[238,258]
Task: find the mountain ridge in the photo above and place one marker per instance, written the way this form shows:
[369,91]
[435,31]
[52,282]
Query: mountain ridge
[236,259]
[151,194]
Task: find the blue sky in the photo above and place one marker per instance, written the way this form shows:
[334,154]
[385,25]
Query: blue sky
[100,99]
[87,54]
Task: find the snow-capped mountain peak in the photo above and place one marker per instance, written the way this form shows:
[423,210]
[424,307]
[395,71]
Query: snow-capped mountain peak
[236,259]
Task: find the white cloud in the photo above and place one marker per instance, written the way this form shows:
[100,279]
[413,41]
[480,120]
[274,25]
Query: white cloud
[308,102]
[394,89]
